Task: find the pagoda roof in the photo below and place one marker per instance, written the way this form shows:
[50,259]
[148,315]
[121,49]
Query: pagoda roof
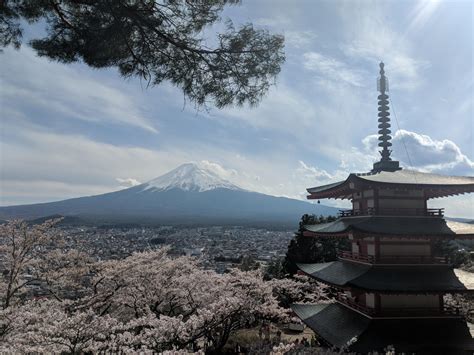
[390,279]
[343,327]
[435,185]
[393,225]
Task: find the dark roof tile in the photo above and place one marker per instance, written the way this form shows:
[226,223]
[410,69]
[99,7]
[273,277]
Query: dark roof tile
[340,326]
[410,179]
[387,278]
[430,226]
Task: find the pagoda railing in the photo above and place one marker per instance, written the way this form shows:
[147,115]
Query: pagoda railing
[445,311]
[371,211]
[356,257]
[393,259]
[418,311]
[341,298]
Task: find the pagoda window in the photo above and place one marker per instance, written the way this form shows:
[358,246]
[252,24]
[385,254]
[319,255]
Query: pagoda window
[371,249]
[356,247]
[368,193]
[400,193]
[409,301]
[405,250]
[360,298]
[370,300]
[361,205]
[401,207]
[370,203]
[419,240]
[356,205]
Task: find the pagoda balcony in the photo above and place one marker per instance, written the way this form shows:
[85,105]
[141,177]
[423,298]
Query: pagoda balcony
[348,302]
[371,211]
[419,312]
[399,312]
[392,259]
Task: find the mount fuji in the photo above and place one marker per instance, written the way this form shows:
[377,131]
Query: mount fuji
[189,177]
[189,194]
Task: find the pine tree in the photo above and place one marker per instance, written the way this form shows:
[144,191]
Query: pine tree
[156,41]
[311,249]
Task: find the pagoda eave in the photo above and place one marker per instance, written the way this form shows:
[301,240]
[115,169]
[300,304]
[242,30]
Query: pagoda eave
[391,277]
[316,234]
[343,327]
[402,279]
[391,227]
[355,234]
[433,185]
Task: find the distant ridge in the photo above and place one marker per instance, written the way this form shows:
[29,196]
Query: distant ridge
[188,194]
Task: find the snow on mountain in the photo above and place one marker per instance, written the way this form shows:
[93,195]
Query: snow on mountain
[175,198]
[189,177]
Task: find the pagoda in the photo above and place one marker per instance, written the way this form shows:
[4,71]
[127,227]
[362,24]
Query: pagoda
[390,284]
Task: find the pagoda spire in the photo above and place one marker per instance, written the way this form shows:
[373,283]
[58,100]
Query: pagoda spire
[386,163]
[384,116]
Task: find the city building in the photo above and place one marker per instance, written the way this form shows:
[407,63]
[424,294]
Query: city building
[391,284]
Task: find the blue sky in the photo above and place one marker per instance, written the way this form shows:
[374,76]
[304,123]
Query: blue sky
[69,130]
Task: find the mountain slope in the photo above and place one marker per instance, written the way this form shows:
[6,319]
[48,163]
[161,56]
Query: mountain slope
[186,194]
[189,177]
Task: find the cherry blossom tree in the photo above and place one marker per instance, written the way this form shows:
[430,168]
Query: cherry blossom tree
[48,326]
[34,255]
[299,289]
[149,302]
[179,300]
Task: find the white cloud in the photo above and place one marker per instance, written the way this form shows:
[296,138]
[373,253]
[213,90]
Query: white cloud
[371,37]
[357,160]
[34,162]
[465,105]
[331,68]
[455,206]
[274,21]
[426,153]
[225,173]
[38,166]
[305,119]
[282,110]
[13,192]
[422,13]
[128,182]
[300,39]
[313,172]
[65,91]
[429,155]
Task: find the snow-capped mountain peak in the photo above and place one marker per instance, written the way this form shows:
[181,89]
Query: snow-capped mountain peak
[189,177]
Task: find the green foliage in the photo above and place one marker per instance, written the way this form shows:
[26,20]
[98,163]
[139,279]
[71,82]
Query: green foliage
[310,249]
[275,269]
[457,254]
[156,41]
